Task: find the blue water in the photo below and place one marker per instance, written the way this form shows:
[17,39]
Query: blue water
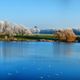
[39,61]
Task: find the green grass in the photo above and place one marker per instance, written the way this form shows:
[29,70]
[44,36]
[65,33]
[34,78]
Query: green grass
[37,36]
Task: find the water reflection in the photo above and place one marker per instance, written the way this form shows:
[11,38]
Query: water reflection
[39,60]
[64,49]
[9,50]
[35,49]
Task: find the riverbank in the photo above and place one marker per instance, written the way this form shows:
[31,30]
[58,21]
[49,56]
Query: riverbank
[33,38]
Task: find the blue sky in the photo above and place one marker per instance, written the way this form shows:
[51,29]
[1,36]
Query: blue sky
[43,13]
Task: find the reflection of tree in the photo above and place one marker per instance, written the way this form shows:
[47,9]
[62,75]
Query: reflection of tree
[1,51]
[62,49]
[12,50]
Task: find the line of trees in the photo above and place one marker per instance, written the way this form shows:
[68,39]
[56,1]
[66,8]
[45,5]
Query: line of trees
[11,29]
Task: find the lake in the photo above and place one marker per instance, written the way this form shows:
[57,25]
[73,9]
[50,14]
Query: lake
[39,61]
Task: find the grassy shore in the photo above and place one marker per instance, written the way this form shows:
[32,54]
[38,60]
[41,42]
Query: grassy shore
[32,37]
[37,37]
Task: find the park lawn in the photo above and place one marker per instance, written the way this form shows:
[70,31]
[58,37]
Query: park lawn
[37,36]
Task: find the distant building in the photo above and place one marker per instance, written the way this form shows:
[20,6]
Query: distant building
[35,30]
